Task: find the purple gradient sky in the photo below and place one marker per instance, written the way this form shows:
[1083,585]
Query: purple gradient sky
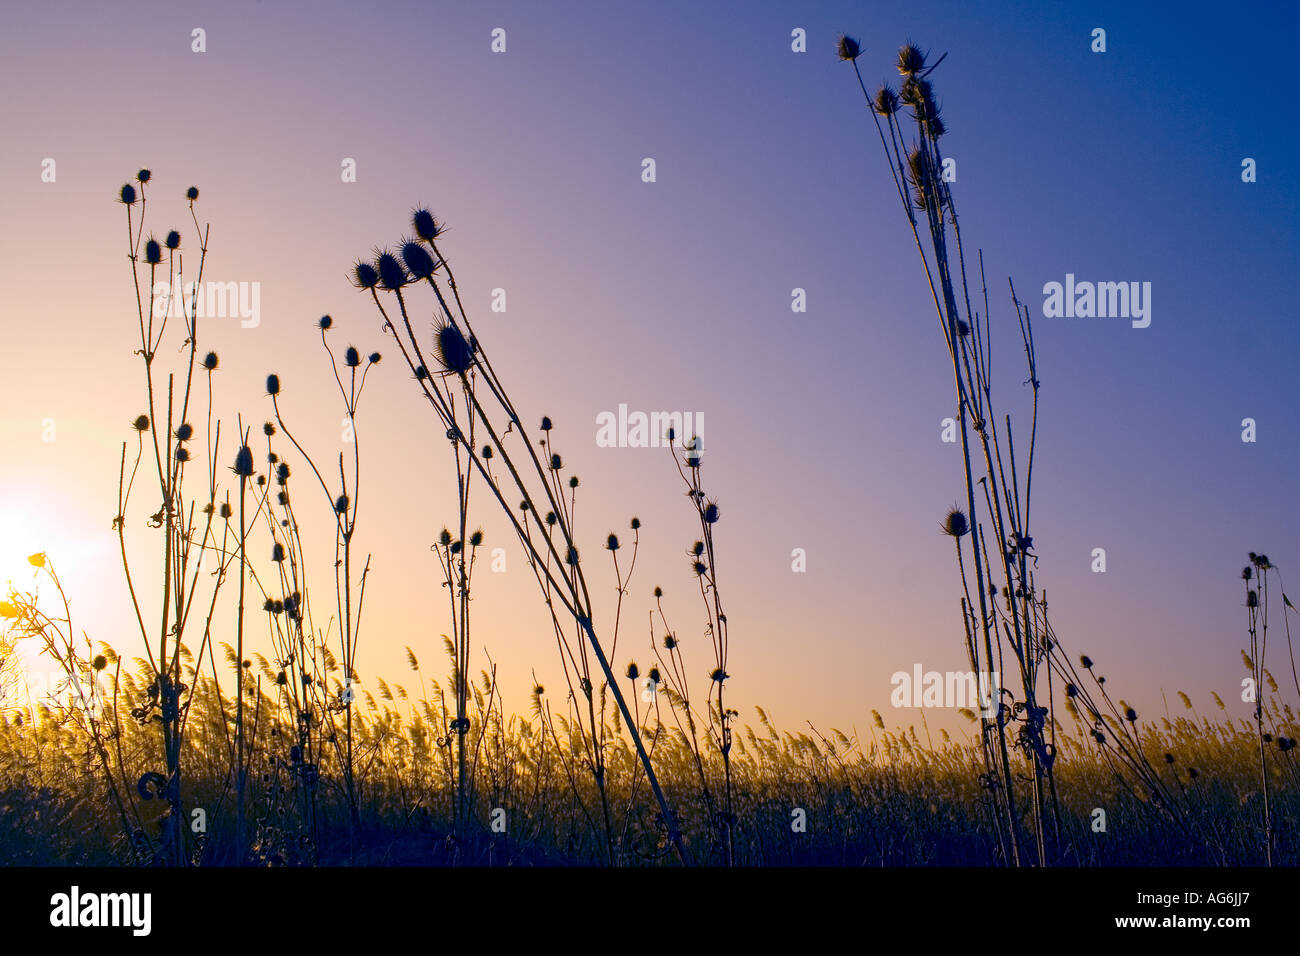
[822,428]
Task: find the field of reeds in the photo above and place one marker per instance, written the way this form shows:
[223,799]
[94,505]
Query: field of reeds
[242,733]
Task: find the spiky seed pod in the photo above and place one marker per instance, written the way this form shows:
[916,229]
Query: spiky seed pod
[700,568]
[277,552]
[1246,573]
[697,549]
[654,675]
[141,423]
[658,592]
[185,432]
[911,60]
[144,175]
[126,194]
[453,351]
[273,385]
[425,226]
[418,261]
[955,524]
[633,672]
[670,642]
[152,252]
[546,424]
[444,538]
[1252,599]
[182,453]
[391,274]
[573,481]
[421,372]
[847,48]
[611,543]
[173,240]
[711,513]
[365,276]
[571,558]
[1130,715]
[244,462]
[476,539]
[937,127]
[225,511]
[325,322]
[268,429]
[1086,661]
[1071,690]
[210,361]
[539,690]
[373,358]
[556,462]
[636,523]
[915,92]
[341,505]
[886,103]
[192,193]
[351,358]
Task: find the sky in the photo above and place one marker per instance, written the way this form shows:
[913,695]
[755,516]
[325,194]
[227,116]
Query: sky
[822,426]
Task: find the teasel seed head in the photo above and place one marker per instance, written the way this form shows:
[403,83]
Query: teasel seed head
[352,358]
[550,517]
[556,463]
[182,453]
[341,505]
[225,511]
[126,194]
[1130,715]
[192,193]
[911,60]
[425,225]
[955,524]
[455,354]
[210,361]
[658,592]
[573,481]
[365,276]
[546,424]
[273,385]
[144,175]
[173,240]
[654,675]
[1086,661]
[886,103]
[152,252]
[244,462]
[711,513]
[1252,599]
[374,358]
[419,263]
[636,523]
[486,453]
[444,537]
[391,274]
[325,322]
[670,642]
[268,429]
[633,672]
[476,539]
[847,48]
[141,423]
[277,552]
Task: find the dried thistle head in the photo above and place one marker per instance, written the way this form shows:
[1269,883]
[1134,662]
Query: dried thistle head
[455,354]
[911,60]
[886,102]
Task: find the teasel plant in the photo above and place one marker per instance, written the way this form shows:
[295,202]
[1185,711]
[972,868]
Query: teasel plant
[167,444]
[1004,615]
[1257,607]
[688,457]
[343,500]
[528,485]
